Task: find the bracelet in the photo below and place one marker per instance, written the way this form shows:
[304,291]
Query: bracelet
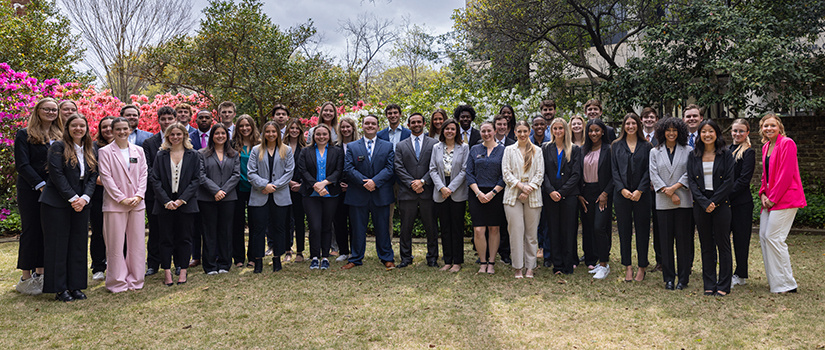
[478,194]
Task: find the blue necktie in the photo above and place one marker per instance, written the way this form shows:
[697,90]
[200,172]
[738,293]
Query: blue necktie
[417,148]
[690,142]
[369,149]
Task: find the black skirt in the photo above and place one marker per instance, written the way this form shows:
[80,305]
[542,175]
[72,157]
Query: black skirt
[488,214]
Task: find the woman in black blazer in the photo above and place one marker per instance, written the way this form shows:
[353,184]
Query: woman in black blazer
[97,246]
[320,166]
[216,199]
[562,171]
[596,197]
[710,175]
[31,148]
[295,139]
[64,210]
[741,202]
[631,178]
[175,178]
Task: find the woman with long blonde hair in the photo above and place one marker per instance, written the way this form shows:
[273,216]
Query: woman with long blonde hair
[294,138]
[348,132]
[741,202]
[562,171]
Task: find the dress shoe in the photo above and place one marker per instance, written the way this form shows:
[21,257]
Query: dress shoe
[547,263]
[181,282]
[680,286]
[432,263]
[276,264]
[64,296]
[78,295]
[150,271]
[507,260]
[669,285]
[259,265]
[657,268]
[348,266]
[403,264]
[194,262]
[389,265]
[299,257]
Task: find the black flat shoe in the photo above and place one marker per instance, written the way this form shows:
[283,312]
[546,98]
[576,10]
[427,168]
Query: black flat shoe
[64,296]
[709,292]
[78,295]
[719,294]
[169,284]
[669,285]
[276,264]
[179,282]
[680,286]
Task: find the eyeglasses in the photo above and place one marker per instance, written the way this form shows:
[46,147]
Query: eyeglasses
[49,110]
[739,131]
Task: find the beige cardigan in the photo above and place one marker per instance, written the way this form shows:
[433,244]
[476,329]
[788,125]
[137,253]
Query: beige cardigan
[512,168]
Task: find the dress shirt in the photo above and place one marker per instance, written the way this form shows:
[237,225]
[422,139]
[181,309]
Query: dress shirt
[370,143]
[133,136]
[483,170]
[500,141]
[81,163]
[125,153]
[175,175]
[395,135]
[649,136]
[465,135]
[512,169]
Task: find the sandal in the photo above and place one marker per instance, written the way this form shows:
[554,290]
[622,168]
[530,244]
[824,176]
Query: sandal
[445,267]
[491,268]
[455,268]
[483,267]
[642,272]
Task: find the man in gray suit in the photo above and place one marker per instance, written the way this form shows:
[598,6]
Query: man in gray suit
[415,188]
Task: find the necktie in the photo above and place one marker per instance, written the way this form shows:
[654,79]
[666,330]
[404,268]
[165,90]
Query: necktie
[204,140]
[648,137]
[500,142]
[690,141]
[466,136]
[417,148]
[369,149]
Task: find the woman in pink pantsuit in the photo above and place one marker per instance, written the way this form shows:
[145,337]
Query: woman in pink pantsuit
[123,173]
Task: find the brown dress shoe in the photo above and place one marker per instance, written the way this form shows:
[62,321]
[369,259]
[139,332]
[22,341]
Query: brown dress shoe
[389,265]
[348,266]
[194,262]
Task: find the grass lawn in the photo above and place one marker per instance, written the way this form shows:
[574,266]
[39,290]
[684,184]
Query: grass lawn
[420,307]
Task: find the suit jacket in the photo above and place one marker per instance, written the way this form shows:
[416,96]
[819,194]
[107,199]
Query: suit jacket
[64,179]
[408,168]
[308,168]
[358,167]
[141,136]
[457,173]
[218,176]
[384,134]
[189,181]
[571,171]
[475,136]
[722,178]
[507,141]
[260,175]
[742,174]
[30,161]
[195,139]
[639,161]
[296,155]
[512,169]
[605,170]
[151,146]
[783,185]
[663,173]
[120,180]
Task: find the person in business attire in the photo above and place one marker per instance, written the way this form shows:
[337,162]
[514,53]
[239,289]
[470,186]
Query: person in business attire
[523,170]
[320,166]
[31,148]
[415,199]
[669,179]
[560,191]
[132,114]
[97,247]
[578,135]
[741,202]
[123,172]
[328,115]
[710,176]
[593,110]
[394,133]
[448,172]
[64,210]
[500,137]
[781,196]
[244,138]
[510,114]
[198,140]
[217,198]
[226,115]
[294,138]
[166,116]
[631,177]
[538,136]
[368,166]
[271,166]
[66,109]
[596,197]
[343,230]
[466,114]
[183,111]
[436,122]
[649,118]
[693,116]
[485,180]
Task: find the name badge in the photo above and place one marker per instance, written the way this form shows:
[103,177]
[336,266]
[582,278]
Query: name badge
[133,160]
[360,158]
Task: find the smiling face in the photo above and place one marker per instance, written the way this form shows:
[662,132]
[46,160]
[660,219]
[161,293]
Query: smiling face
[328,114]
[219,137]
[47,112]
[449,131]
[271,134]
[244,128]
[649,121]
[692,118]
[548,112]
[557,130]
[77,128]
[770,128]
[487,132]
[708,135]
[671,134]
[501,128]
[204,121]
[133,116]
[370,126]
[438,120]
[416,124]
[184,115]
[393,116]
[522,133]
[630,126]
[539,127]
[739,133]
[165,120]
[576,125]
[175,137]
[66,111]
[593,112]
[507,113]
[105,130]
[465,118]
[346,129]
[321,137]
[295,132]
[121,131]
[595,134]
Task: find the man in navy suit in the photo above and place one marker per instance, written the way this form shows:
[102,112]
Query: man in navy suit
[200,137]
[132,115]
[394,133]
[368,166]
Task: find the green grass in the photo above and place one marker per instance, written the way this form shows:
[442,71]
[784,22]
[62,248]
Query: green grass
[420,307]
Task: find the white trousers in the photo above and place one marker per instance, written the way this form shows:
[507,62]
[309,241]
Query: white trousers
[522,224]
[773,230]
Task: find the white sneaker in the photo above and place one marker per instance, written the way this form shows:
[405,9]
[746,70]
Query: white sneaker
[31,286]
[601,272]
[223,271]
[738,280]
[342,257]
[99,276]
[212,273]
[594,270]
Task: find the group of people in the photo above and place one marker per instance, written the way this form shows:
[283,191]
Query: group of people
[527,186]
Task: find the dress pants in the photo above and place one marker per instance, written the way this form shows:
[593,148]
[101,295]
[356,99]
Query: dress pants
[238,227]
[125,272]
[297,228]
[714,241]
[409,210]
[597,236]
[342,227]
[674,224]
[523,223]
[359,216]
[562,226]
[774,226]
[66,235]
[320,213]
[451,221]
[656,233]
[197,237]
[217,234]
[741,224]
[175,238]
[97,248]
[30,250]
[629,214]
[267,219]
[153,243]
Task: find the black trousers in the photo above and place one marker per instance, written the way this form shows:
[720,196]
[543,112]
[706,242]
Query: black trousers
[597,233]
[656,232]
[629,214]
[410,209]
[217,234]
[153,243]
[30,250]
[451,220]
[320,213]
[238,226]
[65,237]
[268,219]
[741,224]
[675,225]
[197,237]
[175,238]
[562,230]
[714,240]
[342,227]
[297,228]
[97,246]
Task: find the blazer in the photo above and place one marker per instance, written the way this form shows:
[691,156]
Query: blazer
[120,180]
[218,176]
[512,168]
[639,161]
[296,155]
[742,174]
[475,136]
[457,173]
[141,136]
[571,171]
[507,141]
[663,173]
[384,134]
[64,180]
[30,161]
[722,178]
[784,185]
[195,139]
[358,167]
[605,170]
[259,176]
[308,168]
[190,179]
[408,168]
[151,146]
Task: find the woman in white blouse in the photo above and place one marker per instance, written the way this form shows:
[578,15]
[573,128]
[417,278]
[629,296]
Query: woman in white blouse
[447,169]
[523,171]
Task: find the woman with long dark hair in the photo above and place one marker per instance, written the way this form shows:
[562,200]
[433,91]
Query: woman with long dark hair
[436,123]
[596,198]
[448,172]
[486,208]
[294,138]
[510,114]
[97,246]
[245,137]
[560,190]
[741,202]
[343,231]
